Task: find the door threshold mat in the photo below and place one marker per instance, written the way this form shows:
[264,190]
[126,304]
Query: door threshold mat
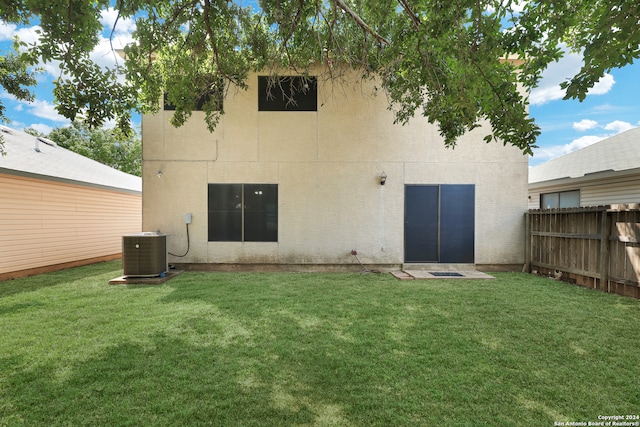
[446,274]
[463,274]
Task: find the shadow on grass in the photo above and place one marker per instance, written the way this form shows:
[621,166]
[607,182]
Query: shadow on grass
[166,381]
[40,281]
[267,349]
[315,377]
[19,306]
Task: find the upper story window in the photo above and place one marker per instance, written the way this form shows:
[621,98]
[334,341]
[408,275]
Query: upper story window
[289,93]
[561,199]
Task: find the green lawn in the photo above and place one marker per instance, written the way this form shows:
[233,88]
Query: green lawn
[313,349]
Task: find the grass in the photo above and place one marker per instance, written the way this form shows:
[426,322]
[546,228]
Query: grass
[266,349]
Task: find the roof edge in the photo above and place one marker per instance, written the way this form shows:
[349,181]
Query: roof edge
[591,176]
[49,178]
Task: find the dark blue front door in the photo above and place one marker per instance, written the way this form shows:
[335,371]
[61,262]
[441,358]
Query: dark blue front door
[439,223]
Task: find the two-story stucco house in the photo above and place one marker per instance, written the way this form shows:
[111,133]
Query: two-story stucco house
[302,184]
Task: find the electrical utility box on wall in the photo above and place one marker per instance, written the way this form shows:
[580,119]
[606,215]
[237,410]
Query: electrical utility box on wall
[144,254]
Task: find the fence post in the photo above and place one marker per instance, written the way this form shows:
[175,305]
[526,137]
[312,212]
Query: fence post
[604,252]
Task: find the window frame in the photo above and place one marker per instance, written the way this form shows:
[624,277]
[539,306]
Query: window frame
[303,95]
[558,198]
[240,204]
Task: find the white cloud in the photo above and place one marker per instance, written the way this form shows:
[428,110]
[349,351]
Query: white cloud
[42,128]
[7,31]
[614,128]
[584,125]
[583,141]
[6,95]
[557,72]
[17,125]
[49,69]
[109,18]
[549,87]
[117,34]
[619,126]
[605,108]
[542,95]
[560,150]
[603,86]
[29,35]
[516,7]
[45,110]
[105,54]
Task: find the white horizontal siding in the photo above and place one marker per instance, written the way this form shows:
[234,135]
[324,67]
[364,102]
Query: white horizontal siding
[534,200]
[603,191]
[45,223]
[611,192]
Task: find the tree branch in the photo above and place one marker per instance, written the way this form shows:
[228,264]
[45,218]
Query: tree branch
[412,15]
[113,30]
[295,23]
[214,47]
[341,4]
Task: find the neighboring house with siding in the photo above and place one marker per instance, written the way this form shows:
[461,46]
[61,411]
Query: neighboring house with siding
[604,173]
[299,184]
[59,209]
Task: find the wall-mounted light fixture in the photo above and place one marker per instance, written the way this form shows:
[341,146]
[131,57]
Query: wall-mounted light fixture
[159,173]
[383,178]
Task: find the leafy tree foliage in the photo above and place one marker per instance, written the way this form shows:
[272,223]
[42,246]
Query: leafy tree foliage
[102,145]
[33,132]
[14,78]
[442,59]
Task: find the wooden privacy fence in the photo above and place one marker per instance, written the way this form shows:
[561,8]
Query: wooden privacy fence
[597,247]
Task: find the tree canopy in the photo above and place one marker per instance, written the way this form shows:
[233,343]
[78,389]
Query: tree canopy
[101,145]
[443,59]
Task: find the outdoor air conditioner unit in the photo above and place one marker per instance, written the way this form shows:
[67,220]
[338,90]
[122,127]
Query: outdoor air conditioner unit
[144,254]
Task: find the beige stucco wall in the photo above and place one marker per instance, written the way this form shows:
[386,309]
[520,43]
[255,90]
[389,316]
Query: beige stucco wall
[327,166]
[44,224]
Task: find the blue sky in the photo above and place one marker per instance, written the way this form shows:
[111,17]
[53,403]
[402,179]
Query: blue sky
[613,105]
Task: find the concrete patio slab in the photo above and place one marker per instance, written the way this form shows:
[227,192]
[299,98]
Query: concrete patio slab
[156,280]
[461,274]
